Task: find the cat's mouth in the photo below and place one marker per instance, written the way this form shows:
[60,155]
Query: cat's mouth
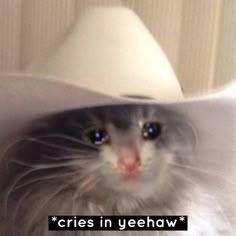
[131,173]
[130,176]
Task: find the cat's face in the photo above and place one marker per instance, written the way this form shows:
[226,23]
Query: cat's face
[121,149]
[132,150]
[105,152]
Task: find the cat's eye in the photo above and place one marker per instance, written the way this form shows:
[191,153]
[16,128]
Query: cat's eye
[151,130]
[99,136]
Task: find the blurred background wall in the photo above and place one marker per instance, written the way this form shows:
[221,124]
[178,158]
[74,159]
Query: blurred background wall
[198,36]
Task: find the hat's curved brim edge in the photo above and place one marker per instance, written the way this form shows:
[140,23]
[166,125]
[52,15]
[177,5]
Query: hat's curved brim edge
[26,97]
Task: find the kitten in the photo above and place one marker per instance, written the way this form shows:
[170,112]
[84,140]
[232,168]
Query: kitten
[112,160]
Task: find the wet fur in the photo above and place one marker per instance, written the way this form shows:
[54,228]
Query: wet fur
[53,169]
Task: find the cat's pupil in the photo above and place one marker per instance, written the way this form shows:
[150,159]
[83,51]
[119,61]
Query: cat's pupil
[98,136]
[151,130]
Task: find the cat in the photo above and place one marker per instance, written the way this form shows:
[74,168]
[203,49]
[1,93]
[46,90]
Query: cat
[110,160]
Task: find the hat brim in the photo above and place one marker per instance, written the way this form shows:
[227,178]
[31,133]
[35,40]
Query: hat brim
[26,97]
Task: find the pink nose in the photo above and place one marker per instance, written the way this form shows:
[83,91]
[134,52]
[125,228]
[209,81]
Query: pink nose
[129,159]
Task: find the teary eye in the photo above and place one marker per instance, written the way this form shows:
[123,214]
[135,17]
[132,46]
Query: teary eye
[99,136]
[151,130]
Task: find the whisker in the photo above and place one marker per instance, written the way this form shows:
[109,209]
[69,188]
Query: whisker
[50,177]
[35,140]
[10,189]
[69,138]
[205,149]
[33,169]
[44,203]
[16,209]
[88,181]
[41,166]
[219,148]
[28,139]
[70,157]
[10,146]
[87,185]
[204,172]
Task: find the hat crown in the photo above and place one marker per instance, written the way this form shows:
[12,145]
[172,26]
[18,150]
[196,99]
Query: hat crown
[110,50]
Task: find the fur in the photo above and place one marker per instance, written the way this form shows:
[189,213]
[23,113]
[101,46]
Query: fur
[54,169]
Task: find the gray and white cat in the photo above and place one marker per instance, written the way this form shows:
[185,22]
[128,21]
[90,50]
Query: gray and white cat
[112,160]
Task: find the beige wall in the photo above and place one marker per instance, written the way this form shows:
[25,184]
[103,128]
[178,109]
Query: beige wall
[198,36]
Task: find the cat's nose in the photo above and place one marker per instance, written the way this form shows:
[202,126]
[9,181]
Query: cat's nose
[129,160]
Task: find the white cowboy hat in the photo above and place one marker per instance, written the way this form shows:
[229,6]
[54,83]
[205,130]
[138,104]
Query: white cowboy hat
[107,54]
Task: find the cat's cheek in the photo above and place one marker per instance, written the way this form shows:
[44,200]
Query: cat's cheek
[108,157]
[152,157]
